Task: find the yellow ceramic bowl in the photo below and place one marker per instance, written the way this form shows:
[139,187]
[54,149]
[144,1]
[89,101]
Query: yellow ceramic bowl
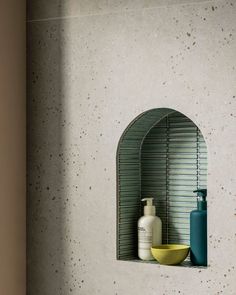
[170,254]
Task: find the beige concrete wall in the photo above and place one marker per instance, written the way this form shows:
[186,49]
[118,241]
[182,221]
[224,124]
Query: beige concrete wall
[12,148]
[94,66]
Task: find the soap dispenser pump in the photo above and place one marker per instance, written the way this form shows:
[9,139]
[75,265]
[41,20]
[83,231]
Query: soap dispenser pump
[198,230]
[149,230]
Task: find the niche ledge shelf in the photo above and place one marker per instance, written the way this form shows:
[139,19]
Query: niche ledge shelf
[161,154]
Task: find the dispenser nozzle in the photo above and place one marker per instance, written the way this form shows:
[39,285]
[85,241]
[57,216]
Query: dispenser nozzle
[149,209]
[201,199]
[149,201]
[201,193]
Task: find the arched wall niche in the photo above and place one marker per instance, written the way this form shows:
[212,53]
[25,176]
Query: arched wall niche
[161,154]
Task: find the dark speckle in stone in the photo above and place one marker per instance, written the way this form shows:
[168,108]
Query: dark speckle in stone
[188,34]
[213,8]
[48,188]
[90,187]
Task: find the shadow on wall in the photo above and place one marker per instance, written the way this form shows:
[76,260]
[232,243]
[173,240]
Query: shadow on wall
[48,199]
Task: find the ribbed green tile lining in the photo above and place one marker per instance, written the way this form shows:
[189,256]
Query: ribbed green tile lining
[162,154]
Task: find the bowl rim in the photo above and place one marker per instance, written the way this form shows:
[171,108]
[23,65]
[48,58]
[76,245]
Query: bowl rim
[179,247]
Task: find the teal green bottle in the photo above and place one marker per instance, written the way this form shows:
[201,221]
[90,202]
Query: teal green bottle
[198,230]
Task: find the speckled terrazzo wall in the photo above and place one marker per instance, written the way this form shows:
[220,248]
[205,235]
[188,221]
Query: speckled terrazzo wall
[93,67]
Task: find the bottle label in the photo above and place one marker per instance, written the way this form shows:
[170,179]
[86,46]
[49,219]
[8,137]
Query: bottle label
[144,238]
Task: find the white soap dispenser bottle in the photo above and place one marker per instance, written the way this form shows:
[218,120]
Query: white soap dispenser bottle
[149,231]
